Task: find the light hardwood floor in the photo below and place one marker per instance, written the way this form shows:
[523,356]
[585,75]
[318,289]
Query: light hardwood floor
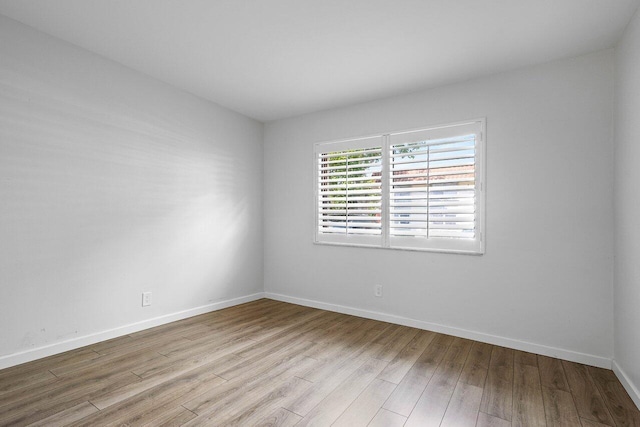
[277,364]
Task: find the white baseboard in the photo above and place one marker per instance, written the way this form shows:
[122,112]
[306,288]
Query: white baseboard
[573,356]
[633,391]
[60,347]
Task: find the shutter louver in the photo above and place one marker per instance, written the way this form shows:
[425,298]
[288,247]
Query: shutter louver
[432,188]
[350,192]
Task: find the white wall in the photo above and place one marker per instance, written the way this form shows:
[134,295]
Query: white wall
[545,282]
[627,208]
[112,183]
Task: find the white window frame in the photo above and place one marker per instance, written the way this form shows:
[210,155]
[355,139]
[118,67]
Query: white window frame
[475,246]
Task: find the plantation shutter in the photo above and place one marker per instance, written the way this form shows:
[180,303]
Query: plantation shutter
[418,190]
[432,188]
[349,192]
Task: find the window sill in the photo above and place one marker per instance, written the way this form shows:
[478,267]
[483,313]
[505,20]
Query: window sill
[397,248]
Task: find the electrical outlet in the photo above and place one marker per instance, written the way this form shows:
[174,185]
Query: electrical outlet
[377,290]
[146,299]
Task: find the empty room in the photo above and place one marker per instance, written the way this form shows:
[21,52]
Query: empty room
[319,212]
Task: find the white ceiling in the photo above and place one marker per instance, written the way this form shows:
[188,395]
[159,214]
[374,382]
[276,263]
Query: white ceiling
[271,59]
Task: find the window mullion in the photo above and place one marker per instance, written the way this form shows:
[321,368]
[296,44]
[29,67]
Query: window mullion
[385,218]
[428,188]
[346,191]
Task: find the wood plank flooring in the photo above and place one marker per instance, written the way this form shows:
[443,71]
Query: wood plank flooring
[269,363]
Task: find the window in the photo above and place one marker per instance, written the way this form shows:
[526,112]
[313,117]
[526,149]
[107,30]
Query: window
[419,190]
[350,192]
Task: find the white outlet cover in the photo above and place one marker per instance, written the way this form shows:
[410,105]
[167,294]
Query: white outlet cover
[146,299]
